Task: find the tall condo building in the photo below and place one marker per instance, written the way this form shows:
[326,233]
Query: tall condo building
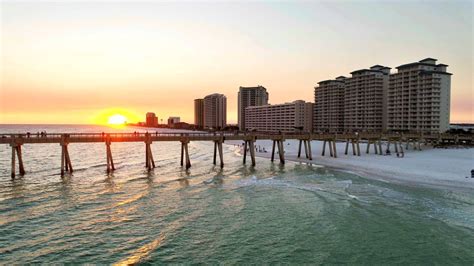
[249,96]
[419,97]
[215,111]
[151,119]
[365,99]
[329,105]
[287,117]
[199,113]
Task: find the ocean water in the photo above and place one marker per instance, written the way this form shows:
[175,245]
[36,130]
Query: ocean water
[293,214]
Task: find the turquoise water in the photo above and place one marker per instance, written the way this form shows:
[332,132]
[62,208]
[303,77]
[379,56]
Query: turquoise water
[294,214]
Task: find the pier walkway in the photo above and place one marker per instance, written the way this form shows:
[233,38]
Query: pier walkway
[352,140]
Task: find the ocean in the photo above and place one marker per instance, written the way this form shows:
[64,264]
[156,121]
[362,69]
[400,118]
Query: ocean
[290,214]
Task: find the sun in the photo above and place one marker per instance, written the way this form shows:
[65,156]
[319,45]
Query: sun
[117,119]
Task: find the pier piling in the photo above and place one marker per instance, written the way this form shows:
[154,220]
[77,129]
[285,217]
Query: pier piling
[299,148]
[184,148]
[17,153]
[273,150]
[182,153]
[66,164]
[245,152]
[281,151]
[331,153]
[250,145]
[307,148]
[110,161]
[215,153]
[13,162]
[252,151]
[324,148]
[347,147]
[221,154]
[310,153]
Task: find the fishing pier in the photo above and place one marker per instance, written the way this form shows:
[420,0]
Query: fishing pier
[352,141]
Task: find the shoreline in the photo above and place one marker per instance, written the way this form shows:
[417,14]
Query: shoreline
[430,167]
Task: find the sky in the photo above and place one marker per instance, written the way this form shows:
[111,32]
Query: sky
[80,61]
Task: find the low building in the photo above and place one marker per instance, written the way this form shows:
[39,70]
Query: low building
[249,96]
[182,125]
[296,116]
[173,120]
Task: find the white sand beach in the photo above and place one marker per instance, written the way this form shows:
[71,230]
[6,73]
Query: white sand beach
[431,166]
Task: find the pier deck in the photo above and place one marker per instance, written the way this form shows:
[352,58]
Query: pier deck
[352,140]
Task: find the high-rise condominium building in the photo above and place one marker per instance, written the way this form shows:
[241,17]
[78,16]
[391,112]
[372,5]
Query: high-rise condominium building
[199,113]
[151,119]
[249,96]
[329,105]
[215,111]
[419,97]
[287,117]
[365,97]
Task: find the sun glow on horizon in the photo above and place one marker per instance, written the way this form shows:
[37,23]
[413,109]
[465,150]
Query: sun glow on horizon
[117,119]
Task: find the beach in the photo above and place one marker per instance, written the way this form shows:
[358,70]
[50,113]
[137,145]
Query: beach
[434,167]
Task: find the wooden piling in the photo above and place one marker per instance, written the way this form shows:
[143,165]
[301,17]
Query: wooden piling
[306,153]
[402,153]
[353,147]
[13,162]
[66,165]
[331,153]
[20,160]
[395,144]
[152,161]
[358,147]
[68,159]
[347,147]
[62,160]
[147,157]
[324,148]
[215,152]
[182,153]
[252,151]
[334,148]
[310,153]
[299,148]
[273,151]
[245,151]
[281,152]
[221,154]
[188,161]
[110,161]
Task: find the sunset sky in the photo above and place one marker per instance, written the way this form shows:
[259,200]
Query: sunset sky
[78,62]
